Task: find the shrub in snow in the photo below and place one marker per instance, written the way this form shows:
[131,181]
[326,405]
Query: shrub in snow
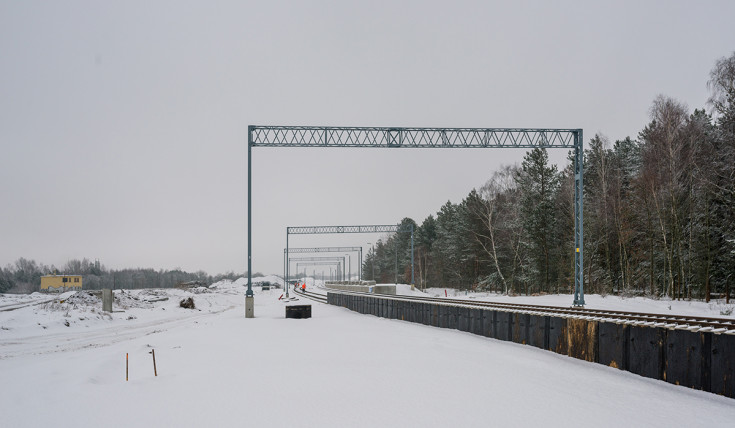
[187,303]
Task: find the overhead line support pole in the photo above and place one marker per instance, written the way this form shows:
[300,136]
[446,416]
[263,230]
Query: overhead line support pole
[578,219]
[412,283]
[249,293]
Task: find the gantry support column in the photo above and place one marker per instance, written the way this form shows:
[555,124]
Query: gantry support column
[249,298]
[578,219]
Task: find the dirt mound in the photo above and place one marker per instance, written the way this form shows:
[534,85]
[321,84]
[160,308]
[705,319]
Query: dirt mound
[187,303]
[126,300]
[86,298]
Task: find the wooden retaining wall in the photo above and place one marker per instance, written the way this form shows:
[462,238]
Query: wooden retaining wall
[701,360]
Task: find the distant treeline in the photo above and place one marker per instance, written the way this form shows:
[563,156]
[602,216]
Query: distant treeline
[659,215]
[24,276]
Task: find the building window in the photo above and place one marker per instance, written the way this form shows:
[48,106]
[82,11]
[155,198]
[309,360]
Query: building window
[63,279]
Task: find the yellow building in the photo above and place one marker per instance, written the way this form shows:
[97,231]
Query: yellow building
[61,282]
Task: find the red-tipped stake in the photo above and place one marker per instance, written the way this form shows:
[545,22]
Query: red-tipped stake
[126,367]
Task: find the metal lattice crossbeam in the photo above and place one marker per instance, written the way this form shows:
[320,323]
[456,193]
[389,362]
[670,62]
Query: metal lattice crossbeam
[336,264]
[374,228]
[288,259]
[312,230]
[323,250]
[321,136]
[313,259]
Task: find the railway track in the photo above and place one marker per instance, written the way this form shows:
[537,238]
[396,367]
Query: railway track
[311,296]
[677,322]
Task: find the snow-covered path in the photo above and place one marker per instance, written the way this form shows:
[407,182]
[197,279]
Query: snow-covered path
[337,369]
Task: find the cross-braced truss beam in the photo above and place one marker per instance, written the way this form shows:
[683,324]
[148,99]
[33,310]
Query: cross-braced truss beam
[322,250]
[312,230]
[338,266]
[323,136]
[314,259]
[307,250]
[374,228]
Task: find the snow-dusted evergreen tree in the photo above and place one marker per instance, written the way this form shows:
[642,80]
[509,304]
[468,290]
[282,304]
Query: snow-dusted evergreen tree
[564,208]
[403,242]
[425,237]
[697,243]
[6,280]
[625,162]
[447,249]
[538,183]
[722,170]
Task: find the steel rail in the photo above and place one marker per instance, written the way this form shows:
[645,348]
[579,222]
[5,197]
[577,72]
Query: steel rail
[310,295]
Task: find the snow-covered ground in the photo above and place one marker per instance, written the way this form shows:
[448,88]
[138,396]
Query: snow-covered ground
[337,369]
[715,308]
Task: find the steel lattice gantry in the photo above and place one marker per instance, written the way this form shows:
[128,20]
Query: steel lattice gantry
[394,137]
[322,250]
[376,228]
[303,260]
[330,136]
[310,230]
[287,251]
[337,265]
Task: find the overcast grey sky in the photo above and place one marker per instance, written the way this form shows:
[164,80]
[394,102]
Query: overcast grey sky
[123,124]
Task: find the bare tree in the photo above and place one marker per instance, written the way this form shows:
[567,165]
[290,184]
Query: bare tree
[495,195]
[667,160]
[722,84]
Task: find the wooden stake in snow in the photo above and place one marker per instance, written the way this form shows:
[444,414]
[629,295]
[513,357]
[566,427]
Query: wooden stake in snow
[126,367]
[153,352]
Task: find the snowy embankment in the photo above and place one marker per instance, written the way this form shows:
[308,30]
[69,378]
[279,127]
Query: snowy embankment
[337,369]
[714,309]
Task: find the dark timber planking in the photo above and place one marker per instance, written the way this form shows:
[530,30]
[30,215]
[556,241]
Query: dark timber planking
[699,360]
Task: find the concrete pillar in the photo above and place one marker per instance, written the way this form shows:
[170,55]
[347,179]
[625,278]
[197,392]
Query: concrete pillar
[107,300]
[249,307]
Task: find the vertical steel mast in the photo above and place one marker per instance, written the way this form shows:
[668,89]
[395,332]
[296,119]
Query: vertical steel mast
[578,219]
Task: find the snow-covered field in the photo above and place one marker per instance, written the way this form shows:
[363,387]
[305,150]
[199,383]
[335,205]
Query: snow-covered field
[337,369]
